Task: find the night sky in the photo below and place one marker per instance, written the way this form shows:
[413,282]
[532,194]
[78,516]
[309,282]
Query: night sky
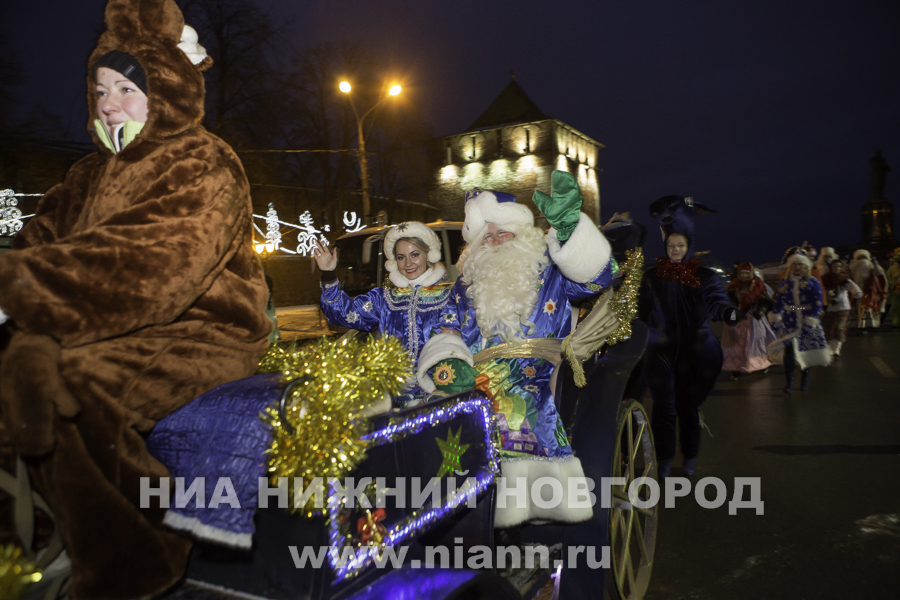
[766,111]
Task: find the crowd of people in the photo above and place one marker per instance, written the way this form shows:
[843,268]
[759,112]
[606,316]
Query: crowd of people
[135,289]
[809,313]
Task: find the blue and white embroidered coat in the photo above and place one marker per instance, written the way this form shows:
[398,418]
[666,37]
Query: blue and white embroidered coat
[799,302]
[411,314]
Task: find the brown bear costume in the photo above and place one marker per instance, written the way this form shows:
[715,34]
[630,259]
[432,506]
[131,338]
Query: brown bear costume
[132,291]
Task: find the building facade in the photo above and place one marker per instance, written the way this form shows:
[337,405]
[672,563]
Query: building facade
[513,147]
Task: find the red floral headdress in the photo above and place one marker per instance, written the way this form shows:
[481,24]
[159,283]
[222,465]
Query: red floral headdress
[754,288]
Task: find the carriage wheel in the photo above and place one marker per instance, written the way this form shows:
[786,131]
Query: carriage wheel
[632,530]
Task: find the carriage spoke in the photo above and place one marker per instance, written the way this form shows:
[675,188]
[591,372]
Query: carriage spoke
[632,529]
[637,448]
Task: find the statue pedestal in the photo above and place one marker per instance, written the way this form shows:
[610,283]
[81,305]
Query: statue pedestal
[878,227]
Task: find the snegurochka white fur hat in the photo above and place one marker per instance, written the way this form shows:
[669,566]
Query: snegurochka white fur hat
[411,229]
[489,206]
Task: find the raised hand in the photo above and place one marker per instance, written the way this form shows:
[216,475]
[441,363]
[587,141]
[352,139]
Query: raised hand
[326,258]
[563,206]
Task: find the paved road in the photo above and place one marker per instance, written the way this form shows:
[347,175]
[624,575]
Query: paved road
[829,463]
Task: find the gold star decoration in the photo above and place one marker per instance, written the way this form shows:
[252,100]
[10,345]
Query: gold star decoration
[452,451]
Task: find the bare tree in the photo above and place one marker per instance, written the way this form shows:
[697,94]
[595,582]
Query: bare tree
[321,117]
[240,38]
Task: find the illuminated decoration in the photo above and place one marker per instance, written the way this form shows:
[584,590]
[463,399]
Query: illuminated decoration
[273,233]
[17,572]
[307,236]
[320,435]
[452,451]
[370,529]
[10,214]
[352,222]
[420,518]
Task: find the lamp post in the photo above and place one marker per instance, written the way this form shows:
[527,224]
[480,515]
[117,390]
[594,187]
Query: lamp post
[363,160]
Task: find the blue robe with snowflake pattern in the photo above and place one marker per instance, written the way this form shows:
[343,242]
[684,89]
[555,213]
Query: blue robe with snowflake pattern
[411,314]
[530,426]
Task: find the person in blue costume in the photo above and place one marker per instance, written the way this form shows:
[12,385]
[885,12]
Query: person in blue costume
[517,284]
[413,309]
[683,357]
[798,306]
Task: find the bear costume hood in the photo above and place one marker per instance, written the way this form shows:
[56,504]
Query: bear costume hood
[151,31]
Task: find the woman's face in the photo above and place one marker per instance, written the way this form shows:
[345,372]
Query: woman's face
[745,275]
[837,267]
[119,99]
[798,269]
[676,247]
[410,260]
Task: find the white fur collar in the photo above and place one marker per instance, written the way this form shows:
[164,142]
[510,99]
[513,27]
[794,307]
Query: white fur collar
[430,277]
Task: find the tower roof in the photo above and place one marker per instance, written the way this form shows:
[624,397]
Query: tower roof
[512,106]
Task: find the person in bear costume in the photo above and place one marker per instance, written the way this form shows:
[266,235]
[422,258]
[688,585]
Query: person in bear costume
[683,357]
[133,290]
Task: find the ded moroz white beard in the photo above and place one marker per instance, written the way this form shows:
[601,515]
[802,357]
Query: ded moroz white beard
[504,282]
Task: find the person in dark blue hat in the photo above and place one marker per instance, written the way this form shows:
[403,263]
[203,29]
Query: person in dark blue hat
[683,357]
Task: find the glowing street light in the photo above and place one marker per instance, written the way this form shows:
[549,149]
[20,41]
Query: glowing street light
[264,248]
[345,87]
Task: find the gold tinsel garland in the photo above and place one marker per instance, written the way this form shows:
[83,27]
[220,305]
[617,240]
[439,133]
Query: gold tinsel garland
[323,435]
[16,572]
[625,301]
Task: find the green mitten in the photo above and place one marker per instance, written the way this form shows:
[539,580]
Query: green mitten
[453,376]
[563,207]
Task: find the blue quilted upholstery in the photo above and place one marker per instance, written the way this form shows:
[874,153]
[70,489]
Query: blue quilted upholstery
[218,435]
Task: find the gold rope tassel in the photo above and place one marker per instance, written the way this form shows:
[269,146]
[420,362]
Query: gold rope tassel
[609,321]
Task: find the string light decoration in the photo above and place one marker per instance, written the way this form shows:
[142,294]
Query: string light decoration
[423,517]
[17,572]
[273,231]
[323,433]
[10,215]
[625,301]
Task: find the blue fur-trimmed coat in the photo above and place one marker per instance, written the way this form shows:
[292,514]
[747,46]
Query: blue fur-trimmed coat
[412,315]
[799,302]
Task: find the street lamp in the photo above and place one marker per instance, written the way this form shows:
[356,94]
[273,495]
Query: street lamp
[263,249]
[363,160]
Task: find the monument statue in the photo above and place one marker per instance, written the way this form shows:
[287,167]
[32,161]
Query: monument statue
[879,168]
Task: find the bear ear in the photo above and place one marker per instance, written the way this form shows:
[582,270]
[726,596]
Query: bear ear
[132,19]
